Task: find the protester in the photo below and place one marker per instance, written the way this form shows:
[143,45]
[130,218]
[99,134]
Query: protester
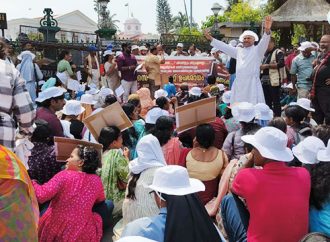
[183,94]
[170,87]
[79,187]
[64,66]
[42,161]
[126,65]
[180,210]
[132,135]
[92,67]
[319,214]
[152,64]
[16,107]
[112,79]
[30,72]
[205,162]
[87,102]
[72,127]
[297,130]
[272,76]
[233,145]
[288,197]
[51,100]
[321,84]
[247,86]
[263,114]
[179,51]
[301,70]
[19,212]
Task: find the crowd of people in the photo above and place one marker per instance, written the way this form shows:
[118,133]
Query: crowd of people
[260,171]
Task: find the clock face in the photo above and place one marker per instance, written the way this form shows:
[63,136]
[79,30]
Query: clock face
[328,17]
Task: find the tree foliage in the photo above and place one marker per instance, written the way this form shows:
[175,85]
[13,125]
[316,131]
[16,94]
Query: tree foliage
[239,12]
[180,21]
[164,17]
[193,31]
[108,21]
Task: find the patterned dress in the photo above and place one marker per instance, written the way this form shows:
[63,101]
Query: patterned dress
[69,216]
[19,212]
[114,169]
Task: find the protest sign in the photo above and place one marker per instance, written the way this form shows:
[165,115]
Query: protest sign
[64,147]
[195,113]
[111,115]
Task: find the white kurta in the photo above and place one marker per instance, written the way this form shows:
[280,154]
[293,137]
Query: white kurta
[247,85]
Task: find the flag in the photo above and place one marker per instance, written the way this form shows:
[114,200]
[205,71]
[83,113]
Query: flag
[126,5]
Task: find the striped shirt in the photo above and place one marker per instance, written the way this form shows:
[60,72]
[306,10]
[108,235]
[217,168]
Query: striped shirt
[16,106]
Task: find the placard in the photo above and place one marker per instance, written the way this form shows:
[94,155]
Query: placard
[64,147]
[111,115]
[194,114]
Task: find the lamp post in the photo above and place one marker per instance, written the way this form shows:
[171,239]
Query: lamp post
[105,31]
[216,8]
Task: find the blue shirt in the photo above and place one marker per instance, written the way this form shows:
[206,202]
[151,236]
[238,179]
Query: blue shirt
[319,220]
[148,227]
[171,90]
[303,68]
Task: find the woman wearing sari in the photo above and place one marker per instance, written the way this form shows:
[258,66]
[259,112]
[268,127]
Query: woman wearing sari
[19,212]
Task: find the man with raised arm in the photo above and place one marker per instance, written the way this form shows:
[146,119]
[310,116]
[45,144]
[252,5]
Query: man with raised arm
[247,86]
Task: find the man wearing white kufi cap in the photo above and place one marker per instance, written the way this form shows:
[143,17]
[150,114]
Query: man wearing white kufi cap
[247,86]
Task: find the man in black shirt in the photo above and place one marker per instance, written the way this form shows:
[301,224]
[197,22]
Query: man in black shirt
[320,93]
[272,74]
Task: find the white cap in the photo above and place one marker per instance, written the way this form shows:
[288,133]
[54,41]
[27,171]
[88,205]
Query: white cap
[105,91]
[305,104]
[160,93]
[248,33]
[305,45]
[271,143]
[195,91]
[179,45]
[174,180]
[92,91]
[135,239]
[87,99]
[142,47]
[214,50]
[226,97]
[324,155]
[221,87]
[73,107]
[154,113]
[244,112]
[50,93]
[263,112]
[306,151]
[134,47]
[108,52]
[118,53]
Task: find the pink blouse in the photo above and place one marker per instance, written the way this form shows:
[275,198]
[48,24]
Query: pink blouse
[69,216]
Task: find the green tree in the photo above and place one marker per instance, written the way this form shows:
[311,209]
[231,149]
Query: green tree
[108,21]
[193,31]
[164,17]
[180,21]
[239,12]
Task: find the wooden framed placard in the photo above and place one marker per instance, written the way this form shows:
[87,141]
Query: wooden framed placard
[111,115]
[64,147]
[193,114]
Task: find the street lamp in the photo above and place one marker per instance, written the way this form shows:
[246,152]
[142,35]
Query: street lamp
[105,31]
[216,8]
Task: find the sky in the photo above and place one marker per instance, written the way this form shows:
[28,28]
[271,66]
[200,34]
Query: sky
[143,10]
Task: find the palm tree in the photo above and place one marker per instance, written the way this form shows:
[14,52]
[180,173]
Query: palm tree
[110,22]
[180,21]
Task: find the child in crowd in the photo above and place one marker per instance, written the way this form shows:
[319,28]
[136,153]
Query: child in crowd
[170,87]
[114,172]
[297,130]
